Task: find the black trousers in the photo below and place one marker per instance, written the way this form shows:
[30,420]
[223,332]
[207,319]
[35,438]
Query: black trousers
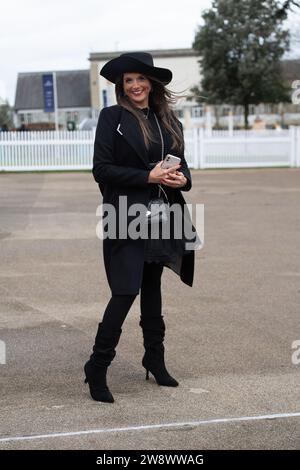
[150,299]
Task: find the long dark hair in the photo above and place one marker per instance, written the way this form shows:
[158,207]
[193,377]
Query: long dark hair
[160,100]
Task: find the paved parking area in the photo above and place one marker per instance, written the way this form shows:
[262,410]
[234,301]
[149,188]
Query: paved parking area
[229,338]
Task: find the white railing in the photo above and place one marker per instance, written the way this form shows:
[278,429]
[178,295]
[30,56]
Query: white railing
[63,150]
[237,149]
[46,150]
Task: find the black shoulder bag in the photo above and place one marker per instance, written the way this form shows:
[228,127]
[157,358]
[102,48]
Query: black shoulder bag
[158,211]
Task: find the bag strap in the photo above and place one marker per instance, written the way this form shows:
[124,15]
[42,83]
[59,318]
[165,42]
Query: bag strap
[162,153]
[164,192]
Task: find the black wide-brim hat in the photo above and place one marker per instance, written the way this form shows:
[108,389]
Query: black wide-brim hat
[139,62]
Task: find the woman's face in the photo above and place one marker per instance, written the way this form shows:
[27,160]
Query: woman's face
[137,87]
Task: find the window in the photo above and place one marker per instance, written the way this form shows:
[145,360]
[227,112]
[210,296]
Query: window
[197,111]
[25,118]
[72,116]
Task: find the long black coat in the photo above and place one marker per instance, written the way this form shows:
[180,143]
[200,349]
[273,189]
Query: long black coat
[121,167]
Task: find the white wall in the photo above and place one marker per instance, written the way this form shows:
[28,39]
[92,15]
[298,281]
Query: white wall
[186,74]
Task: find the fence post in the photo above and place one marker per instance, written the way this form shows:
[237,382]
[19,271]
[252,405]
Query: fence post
[201,148]
[297,146]
[230,123]
[208,121]
[195,148]
[293,146]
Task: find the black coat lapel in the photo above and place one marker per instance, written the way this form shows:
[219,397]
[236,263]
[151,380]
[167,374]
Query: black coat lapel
[129,128]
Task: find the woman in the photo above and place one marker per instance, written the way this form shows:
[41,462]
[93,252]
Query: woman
[131,139]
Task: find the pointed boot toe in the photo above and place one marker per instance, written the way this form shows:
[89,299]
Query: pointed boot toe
[95,377]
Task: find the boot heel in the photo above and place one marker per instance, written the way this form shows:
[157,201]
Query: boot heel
[85,380]
[160,374]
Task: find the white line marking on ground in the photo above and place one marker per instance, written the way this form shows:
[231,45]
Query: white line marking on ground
[198,390]
[152,426]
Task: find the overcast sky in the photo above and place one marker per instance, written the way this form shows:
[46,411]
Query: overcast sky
[60,34]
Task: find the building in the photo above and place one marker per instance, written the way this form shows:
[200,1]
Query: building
[182,62]
[73,97]
[83,93]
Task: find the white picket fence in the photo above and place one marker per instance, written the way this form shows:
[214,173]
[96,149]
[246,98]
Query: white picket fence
[238,149]
[46,150]
[63,150]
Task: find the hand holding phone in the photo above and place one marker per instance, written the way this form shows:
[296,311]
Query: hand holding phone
[159,171]
[169,161]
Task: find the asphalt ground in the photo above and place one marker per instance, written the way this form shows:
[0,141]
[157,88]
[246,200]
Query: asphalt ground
[229,339]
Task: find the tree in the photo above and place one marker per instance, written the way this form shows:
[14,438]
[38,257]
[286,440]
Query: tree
[5,116]
[283,9]
[240,47]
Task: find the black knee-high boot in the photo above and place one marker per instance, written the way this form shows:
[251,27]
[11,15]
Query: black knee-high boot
[153,360]
[96,368]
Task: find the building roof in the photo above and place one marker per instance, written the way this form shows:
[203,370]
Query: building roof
[156,53]
[73,89]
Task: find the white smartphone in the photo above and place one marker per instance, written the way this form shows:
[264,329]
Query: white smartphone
[169,161]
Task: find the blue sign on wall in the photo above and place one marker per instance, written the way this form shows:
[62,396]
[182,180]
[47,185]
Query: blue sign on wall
[104,96]
[48,93]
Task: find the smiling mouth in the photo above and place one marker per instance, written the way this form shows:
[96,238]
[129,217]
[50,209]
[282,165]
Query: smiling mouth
[137,93]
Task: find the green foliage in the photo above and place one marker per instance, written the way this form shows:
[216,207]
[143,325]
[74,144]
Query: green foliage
[6,121]
[240,45]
